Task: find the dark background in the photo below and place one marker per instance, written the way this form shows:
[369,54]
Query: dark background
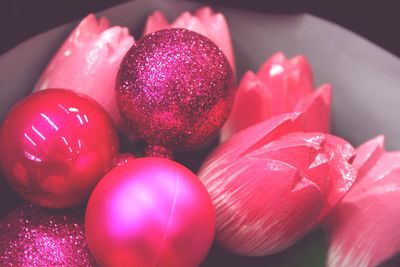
[377,21]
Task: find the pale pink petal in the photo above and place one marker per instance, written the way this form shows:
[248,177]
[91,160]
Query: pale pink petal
[190,22]
[273,73]
[155,22]
[387,163]
[300,82]
[303,151]
[88,62]
[364,230]
[218,31]
[317,107]
[285,86]
[288,80]
[341,173]
[246,196]
[204,14]
[367,155]
[297,149]
[251,106]
[259,134]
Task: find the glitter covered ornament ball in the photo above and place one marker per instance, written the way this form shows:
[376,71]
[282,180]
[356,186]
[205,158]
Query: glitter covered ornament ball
[33,237]
[175,89]
[150,212]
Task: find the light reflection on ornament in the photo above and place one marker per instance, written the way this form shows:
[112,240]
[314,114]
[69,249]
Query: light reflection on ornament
[56,145]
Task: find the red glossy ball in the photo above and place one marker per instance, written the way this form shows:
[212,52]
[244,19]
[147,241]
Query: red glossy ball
[55,146]
[175,89]
[150,212]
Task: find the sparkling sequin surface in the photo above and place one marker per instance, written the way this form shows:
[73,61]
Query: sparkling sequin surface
[175,89]
[31,237]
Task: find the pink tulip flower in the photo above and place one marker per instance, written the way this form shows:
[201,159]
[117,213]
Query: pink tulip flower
[272,183]
[280,86]
[88,62]
[204,21]
[364,228]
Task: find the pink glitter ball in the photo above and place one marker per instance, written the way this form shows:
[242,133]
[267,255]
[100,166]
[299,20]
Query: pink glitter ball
[31,236]
[175,89]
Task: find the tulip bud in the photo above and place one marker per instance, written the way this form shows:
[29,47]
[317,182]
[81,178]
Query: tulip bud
[280,86]
[88,62]
[204,21]
[364,228]
[272,183]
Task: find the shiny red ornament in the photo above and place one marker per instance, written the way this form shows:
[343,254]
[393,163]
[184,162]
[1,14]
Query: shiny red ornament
[272,183]
[55,147]
[175,89]
[31,236]
[150,212]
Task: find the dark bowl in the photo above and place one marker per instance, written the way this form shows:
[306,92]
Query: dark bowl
[365,79]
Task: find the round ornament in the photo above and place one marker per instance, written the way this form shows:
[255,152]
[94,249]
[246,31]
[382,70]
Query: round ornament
[150,212]
[55,147]
[31,236]
[175,90]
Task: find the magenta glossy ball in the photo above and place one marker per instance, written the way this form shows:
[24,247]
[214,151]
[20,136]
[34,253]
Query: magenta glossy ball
[150,212]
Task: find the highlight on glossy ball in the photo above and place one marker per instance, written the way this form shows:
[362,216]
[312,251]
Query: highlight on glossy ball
[150,212]
[175,89]
[55,146]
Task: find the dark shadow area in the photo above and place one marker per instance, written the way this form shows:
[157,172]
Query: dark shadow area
[374,20]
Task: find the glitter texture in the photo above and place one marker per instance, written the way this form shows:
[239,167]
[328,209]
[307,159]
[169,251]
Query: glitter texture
[31,236]
[175,89]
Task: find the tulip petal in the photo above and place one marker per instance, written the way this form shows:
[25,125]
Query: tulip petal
[288,81]
[88,62]
[271,183]
[318,172]
[317,107]
[218,31]
[363,229]
[341,173]
[281,86]
[297,149]
[251,106]
[155,22]
[387,163]
[367,156]
[256,136]
[190,22]
[273,73]
[246,208]
[300,82]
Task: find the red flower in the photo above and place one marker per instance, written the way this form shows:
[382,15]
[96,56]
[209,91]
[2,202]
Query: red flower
[204,21]
[88,62]
[280,86]
[364,228]
[271,183]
